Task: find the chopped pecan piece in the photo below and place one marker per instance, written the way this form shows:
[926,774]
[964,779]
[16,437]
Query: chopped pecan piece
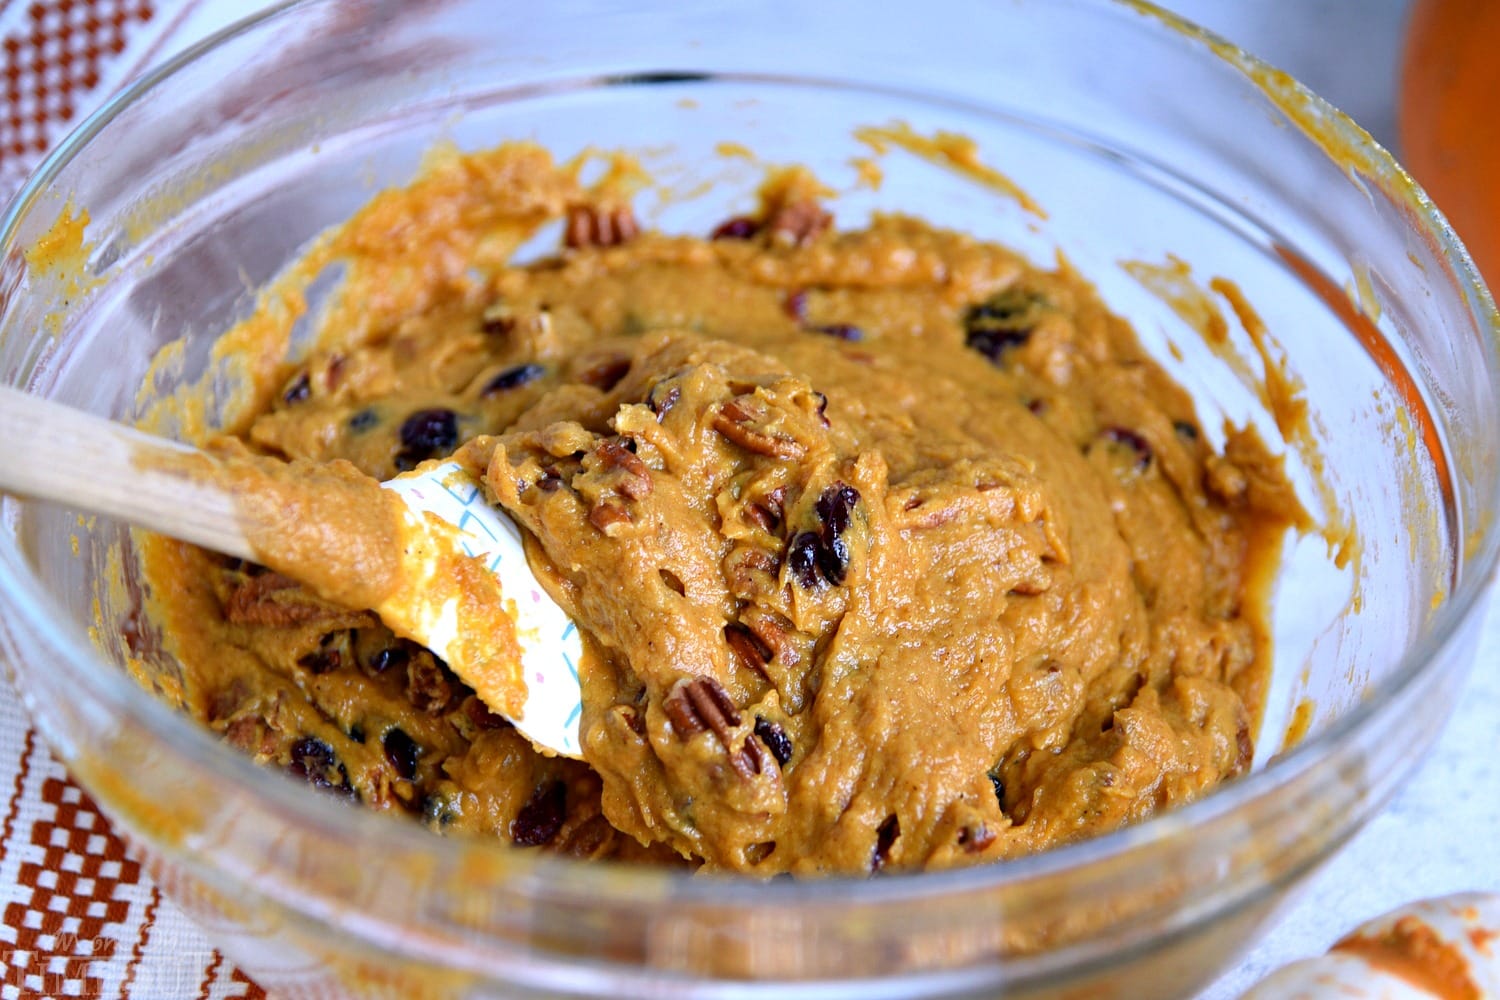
[748,647]
[600,226]
[330,654]
[799,222]
[275,600]
[772,630]
[636,481]
[427,684]
[753,758]
[609,515]
[589,839]
[767,513]
[1244,748]
[498,318]
[480,715]
[743,420]
[249,733]
[606,374]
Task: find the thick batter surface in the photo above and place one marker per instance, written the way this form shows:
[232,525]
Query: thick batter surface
[890,550]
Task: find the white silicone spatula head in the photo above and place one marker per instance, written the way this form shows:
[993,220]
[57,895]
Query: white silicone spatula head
[549,641]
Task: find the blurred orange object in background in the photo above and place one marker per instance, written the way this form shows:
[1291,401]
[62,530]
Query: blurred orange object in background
[1449,118]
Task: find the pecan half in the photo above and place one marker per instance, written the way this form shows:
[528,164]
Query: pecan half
[600,226]
[701,704]
[744,421]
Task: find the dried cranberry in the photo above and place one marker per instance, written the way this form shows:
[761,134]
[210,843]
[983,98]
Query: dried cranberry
[999,789]
[513,378]
[437,811]
[662,401]
[993,343]
[314,760]
[885,839]
[795,305]
[363,420]
[311,756]
[430,430]
[1185,429]
[840,331]
[297,390]
[741,227]
[540,818]
[425,433]
[391,656]
[834,507]
[802,560]
[833,560]
[402,751]
[1130,439]
[1002,321]
[549,481]
[976,838]
[822,407]
[775,739]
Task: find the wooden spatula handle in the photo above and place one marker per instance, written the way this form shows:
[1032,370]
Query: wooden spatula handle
[56,453]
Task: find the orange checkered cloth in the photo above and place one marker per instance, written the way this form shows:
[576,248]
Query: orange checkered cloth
[81,918]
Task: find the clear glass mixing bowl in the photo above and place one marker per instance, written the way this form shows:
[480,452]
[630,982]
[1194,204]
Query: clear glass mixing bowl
[1140,136]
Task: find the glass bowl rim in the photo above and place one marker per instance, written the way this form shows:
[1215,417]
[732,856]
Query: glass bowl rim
[564,878]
